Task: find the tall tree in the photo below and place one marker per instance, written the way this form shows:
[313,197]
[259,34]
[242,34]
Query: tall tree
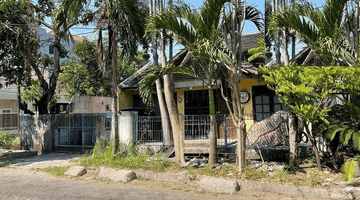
[232,30]
[18,45]
[320,29]
[166,126]
[125,24]
[46,8]
[201,34]
[282,8]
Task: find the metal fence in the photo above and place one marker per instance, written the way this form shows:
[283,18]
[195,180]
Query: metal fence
[149,129]
[80,130]
[196,127]
[8,121]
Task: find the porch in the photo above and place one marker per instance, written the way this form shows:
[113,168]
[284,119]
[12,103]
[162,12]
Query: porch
[196,132]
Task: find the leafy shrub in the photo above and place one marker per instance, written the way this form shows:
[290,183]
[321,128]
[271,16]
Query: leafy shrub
[350,168]
[6,140]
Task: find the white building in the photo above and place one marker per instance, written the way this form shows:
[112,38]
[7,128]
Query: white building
[8,94]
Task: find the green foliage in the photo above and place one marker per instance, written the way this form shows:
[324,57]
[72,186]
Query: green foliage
[7,140]
[307,91]
[83,77]
[32,91]
[258,54]
[349,169]
[126,157]
[56,171]
[147,82]
[320,29]
[128,65]
[18,43]
[344,121]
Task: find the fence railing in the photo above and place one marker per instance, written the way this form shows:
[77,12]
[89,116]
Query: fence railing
[149,129]
[196,127]
[8,121]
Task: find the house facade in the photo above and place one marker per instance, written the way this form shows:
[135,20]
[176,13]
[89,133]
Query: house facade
[191,97]
[191,94]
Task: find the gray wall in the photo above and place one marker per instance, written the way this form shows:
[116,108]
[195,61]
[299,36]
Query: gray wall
[35,133]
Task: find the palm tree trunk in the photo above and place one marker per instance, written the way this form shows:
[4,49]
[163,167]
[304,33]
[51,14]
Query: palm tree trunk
[213,129]
[171,45]
[165,116]
[165,123]
[114,83]
[284,39]
[171,105]
[276,40]
[293,43]
[174,118]
[356,33]
[347,22]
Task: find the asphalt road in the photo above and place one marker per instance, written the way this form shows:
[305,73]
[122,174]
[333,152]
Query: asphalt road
[18,183]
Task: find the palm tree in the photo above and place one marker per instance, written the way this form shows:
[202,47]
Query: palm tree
[165,119]
[201,33]
[321,30]
[125,25]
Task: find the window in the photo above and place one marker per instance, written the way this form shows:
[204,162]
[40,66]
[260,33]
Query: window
[6,118]
[51,49]
[265,103]
[6,111]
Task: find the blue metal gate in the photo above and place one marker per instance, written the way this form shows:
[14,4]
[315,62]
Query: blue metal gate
[80,130]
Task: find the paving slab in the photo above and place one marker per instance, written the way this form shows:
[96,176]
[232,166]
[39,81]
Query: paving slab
[76,171]
[116,175]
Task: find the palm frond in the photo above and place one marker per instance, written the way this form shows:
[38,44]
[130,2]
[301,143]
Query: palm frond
[146,84]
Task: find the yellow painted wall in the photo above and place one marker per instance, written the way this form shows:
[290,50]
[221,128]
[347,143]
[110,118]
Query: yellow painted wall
[126,99]
[246,85]
[181,104]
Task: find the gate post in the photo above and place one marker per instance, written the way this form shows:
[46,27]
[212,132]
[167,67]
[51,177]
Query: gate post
[128,127]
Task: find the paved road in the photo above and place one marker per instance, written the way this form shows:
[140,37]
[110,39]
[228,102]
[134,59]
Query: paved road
[25,184]
[21,182]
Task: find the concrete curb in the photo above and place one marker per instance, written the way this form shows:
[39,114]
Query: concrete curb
[300,191]
[10,155]
[164,176]
[281,189]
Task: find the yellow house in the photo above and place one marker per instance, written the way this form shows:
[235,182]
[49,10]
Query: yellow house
[191,96]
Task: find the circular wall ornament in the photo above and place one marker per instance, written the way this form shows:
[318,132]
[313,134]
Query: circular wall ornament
[244,96]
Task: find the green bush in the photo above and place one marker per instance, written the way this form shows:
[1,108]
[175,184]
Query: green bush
[6,140]
[126,157]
